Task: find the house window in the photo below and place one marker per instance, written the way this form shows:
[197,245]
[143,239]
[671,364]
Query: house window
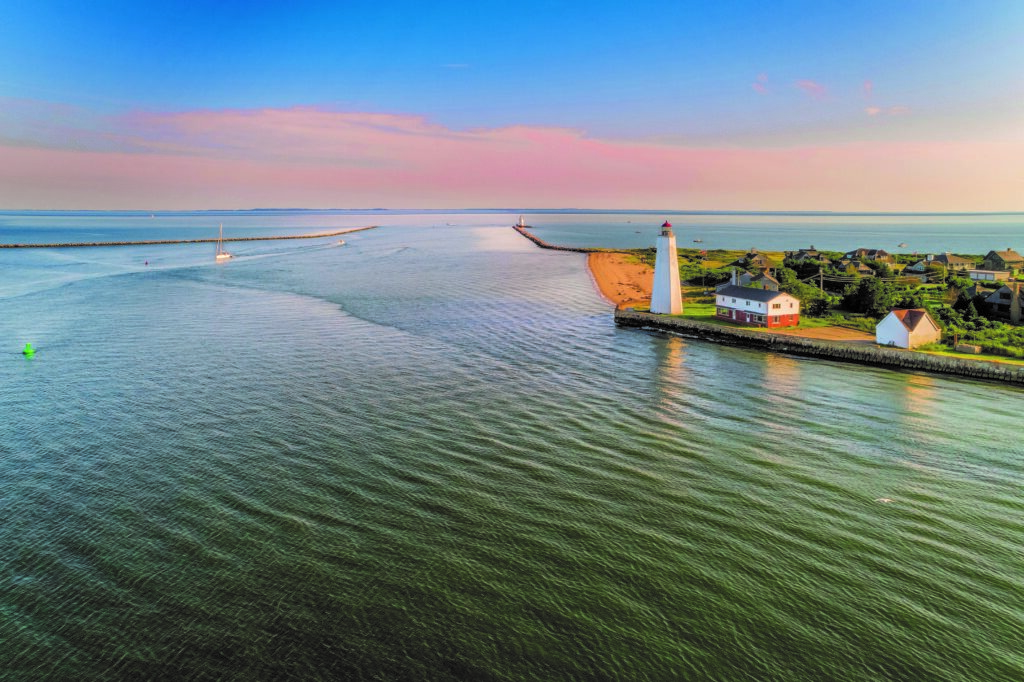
[776,306]
[734,300]
[723,312]
[775,319]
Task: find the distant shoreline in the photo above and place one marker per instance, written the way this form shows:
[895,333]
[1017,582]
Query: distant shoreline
[151,242]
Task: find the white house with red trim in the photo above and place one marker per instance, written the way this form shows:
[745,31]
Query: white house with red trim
[907,328]
[756,307]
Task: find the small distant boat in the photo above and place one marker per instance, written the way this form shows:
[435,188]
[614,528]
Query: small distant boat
[341,242]
[222,255]
[698,241]
[901,245]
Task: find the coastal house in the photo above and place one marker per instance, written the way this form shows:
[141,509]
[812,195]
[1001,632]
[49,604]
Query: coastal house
[756,307]
[1006,302]
[760,280]
[1008,260]
[855,267]
[946,260]
[879,255]
[805,255]
[757,260]
[907,328]
[764,280]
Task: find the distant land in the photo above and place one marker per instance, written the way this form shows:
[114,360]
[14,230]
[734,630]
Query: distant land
[525,211]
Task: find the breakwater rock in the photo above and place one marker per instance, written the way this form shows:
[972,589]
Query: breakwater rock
[147,242]
[865,354]
[544,245]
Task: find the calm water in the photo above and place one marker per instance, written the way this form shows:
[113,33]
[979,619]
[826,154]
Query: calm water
[976,234]
[429,454]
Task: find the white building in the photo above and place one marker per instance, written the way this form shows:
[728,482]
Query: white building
[907,329]
[666,297]
[756,307]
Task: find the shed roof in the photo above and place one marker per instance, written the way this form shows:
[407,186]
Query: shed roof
[912,317]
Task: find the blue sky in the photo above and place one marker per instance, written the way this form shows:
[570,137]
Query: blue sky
[700,74]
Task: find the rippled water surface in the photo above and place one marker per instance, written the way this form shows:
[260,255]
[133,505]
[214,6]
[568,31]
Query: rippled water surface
[429,454]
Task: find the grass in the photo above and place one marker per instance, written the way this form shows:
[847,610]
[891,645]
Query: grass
[972,356]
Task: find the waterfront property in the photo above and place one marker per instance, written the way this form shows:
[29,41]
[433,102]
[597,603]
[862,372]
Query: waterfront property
[756,259]
[947,260]
[1008,260]
[879,255]
[756,307]
[1006,302]
[907,328]
[804,255]
[760,280]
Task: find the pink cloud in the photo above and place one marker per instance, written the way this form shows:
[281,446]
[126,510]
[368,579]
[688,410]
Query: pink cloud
[759,87]
[887,111]
[812,88]
[869,88]
[317,158]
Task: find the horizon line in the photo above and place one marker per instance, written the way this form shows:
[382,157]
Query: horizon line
[524,210]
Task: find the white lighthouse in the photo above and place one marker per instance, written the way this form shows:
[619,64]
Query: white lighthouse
[665,295]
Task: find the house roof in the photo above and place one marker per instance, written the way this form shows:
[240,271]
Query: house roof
[912,317]
[1008,255]
[1007,289]
[871,254]
[762,295]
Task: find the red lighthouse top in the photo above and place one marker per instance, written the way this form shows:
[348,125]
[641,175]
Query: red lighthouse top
[666,224]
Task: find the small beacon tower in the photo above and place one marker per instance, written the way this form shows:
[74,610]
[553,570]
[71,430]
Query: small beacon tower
[665,295]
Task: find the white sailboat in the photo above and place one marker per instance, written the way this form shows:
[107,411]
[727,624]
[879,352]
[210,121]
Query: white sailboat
[222,255]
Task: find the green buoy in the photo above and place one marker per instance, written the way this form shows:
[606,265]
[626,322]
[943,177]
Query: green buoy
[29,350]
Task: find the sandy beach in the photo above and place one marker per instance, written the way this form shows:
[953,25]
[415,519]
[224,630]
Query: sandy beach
[620,280]
[627,283]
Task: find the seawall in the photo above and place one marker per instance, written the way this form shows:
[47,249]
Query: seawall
[544,245]
[864,354]
[147,242]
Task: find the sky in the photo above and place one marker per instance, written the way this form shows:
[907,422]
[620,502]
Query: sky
[825,105]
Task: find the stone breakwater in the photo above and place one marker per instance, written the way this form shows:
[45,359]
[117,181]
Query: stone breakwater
[544,245]
[148,242]
[845,352]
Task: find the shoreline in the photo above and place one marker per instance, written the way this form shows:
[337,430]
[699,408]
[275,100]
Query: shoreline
[858,353]
[625,284]
[151,242]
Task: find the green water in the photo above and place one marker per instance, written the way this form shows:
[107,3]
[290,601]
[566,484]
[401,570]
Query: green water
[429,454]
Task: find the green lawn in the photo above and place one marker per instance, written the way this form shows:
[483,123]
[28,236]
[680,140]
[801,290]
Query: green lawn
[972,356]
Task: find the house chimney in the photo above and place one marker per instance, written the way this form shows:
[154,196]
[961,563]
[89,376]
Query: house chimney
[735,277]
[1015,302]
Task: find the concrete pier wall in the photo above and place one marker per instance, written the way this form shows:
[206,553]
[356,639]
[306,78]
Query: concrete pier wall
[865,354]
[147,242]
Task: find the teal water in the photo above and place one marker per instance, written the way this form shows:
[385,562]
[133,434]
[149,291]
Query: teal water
[429,454]
[922,233]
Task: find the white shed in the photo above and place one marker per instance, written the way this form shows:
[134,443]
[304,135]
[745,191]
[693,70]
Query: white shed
[907,328]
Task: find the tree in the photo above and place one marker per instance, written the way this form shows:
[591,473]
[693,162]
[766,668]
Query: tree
[870,296]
